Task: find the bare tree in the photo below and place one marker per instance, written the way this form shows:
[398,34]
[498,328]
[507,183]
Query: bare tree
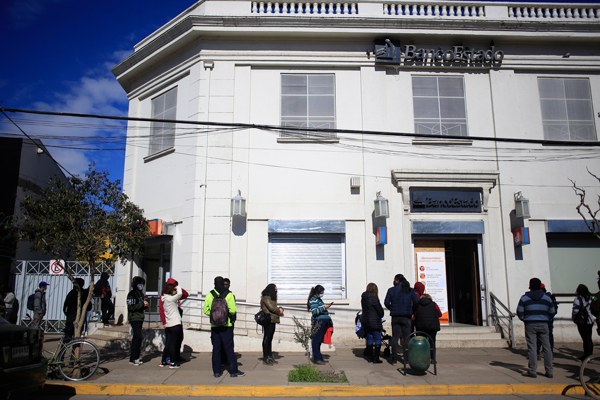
[590,216]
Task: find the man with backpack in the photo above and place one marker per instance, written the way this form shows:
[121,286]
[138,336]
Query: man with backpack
[220,306]
[39,304]
[102,290]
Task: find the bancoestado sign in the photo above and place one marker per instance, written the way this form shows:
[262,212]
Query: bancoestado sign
[390,52]
[445,201]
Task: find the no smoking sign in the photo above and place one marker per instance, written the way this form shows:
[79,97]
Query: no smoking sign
[57,267]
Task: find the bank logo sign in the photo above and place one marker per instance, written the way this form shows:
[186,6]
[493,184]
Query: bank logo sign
[445,201]
[391,52]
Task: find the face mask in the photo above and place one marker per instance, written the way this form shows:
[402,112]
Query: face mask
[396,283]
[321,295]
[140,286]
[174,292]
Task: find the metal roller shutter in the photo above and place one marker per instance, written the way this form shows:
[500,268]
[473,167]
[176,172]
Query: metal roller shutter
[299,262]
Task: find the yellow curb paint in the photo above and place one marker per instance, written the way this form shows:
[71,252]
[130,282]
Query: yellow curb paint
[308,391]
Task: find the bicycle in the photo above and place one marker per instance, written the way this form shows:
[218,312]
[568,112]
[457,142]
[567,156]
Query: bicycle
[76,360]
[589,375]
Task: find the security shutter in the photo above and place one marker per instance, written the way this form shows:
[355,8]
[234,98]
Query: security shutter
[301,261]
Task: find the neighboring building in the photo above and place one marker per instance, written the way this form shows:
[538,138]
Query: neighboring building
[504,80]
[26,168]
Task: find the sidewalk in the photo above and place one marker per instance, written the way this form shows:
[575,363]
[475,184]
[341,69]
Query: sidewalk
[459,371]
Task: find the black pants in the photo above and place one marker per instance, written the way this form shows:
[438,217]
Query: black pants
[173,340]
[108,309]
[267,343]
[136,341]
[222,337]
[400,325]
[585,331]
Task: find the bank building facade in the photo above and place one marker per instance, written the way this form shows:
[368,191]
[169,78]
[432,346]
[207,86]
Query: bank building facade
[344,143]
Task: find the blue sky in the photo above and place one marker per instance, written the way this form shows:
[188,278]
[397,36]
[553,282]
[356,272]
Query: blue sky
[57,56]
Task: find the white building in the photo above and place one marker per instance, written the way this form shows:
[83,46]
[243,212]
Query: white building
[448,109]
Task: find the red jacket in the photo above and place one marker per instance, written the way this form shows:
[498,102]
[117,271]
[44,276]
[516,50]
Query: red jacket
[161,310]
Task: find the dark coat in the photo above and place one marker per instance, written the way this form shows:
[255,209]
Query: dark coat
[372,312]
[427,318]
[399,303]
[269,306]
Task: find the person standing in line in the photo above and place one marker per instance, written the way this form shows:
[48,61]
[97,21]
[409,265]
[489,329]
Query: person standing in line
[39,304]
[102,290]
[584,326]
[402,301]
[224,362]
[11,308]
[550,325]
[320,319]
[171,316]
[427,317]
[2,302]
[136,306]
[268,303]
[536,309]
[70,309]
[371,316]
[221,335]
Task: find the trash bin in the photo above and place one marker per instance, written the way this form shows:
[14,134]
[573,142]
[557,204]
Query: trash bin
[419,353]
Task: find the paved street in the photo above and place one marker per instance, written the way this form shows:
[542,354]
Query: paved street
[479,397]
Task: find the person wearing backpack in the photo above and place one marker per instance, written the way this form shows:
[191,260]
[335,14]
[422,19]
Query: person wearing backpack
[39,304]
[582,316]
[220,306]
[550,324]
[137,303]
[102,290]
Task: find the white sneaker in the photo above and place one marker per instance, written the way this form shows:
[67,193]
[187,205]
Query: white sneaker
[137,362]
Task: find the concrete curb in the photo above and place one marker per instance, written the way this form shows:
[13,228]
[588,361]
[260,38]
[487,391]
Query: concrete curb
[299,390]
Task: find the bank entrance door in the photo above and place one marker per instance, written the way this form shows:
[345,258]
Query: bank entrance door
[465,289]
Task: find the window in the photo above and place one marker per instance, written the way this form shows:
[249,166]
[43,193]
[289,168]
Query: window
[297,262]
[567,112]
[308,101]
[439,105]
[162,134]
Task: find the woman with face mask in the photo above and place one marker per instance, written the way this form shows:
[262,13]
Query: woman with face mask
[268,304]
[320,319]
[136,305]
[171,294]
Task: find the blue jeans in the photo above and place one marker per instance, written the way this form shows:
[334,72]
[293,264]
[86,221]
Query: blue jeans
[373,337]
[222,337]
[317,339]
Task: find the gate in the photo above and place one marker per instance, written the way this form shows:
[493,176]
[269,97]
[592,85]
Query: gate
[26,276]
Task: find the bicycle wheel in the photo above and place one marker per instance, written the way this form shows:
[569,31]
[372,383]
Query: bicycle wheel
[589,375]
[78,360]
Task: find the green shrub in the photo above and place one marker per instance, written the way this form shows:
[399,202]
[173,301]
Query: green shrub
[310,373]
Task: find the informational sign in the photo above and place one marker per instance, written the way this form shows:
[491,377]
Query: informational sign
[57,267]
[445,201]
[431,272]
[381,235]
[521,236]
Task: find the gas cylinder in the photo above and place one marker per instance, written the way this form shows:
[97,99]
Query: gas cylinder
[418,353]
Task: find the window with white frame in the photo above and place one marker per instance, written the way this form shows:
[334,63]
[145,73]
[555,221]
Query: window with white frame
[297,262]
[162,134]
[308,101]
[439,105]
[567,112]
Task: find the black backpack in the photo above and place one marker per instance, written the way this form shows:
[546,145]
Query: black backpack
[219,311]
[31,302]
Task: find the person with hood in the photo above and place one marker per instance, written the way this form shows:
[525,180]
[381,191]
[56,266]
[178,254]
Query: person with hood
[268,304]
[427,317]
[102,290]
[222,335]
[70,307]
[136,305]
[536,309]
[11,304]
[370,318]
[402,301]
[170,314]
[39,304]
[581,305]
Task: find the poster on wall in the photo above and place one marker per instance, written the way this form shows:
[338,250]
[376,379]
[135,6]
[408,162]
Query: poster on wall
[431,272]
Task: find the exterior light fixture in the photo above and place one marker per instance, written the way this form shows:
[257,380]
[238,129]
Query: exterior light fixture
[238,205]
[381,207]
[521,206]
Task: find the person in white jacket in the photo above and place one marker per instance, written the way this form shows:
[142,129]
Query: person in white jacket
[170,297]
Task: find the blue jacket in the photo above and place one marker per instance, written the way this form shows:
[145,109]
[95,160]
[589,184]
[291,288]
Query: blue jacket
[399,303]
[535,307]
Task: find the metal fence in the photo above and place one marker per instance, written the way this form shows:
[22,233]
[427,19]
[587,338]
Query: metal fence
[26,276]
[502,319]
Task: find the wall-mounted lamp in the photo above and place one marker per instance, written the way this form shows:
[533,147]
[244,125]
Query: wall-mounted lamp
[521,206]
[238,205]
[381,207]
[208,64]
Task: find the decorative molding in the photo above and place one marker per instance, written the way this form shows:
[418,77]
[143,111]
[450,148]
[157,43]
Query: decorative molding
[159,154]
[484,180]
[442,142]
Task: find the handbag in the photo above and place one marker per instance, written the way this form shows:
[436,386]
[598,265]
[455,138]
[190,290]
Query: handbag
[262,318]
[582,317]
